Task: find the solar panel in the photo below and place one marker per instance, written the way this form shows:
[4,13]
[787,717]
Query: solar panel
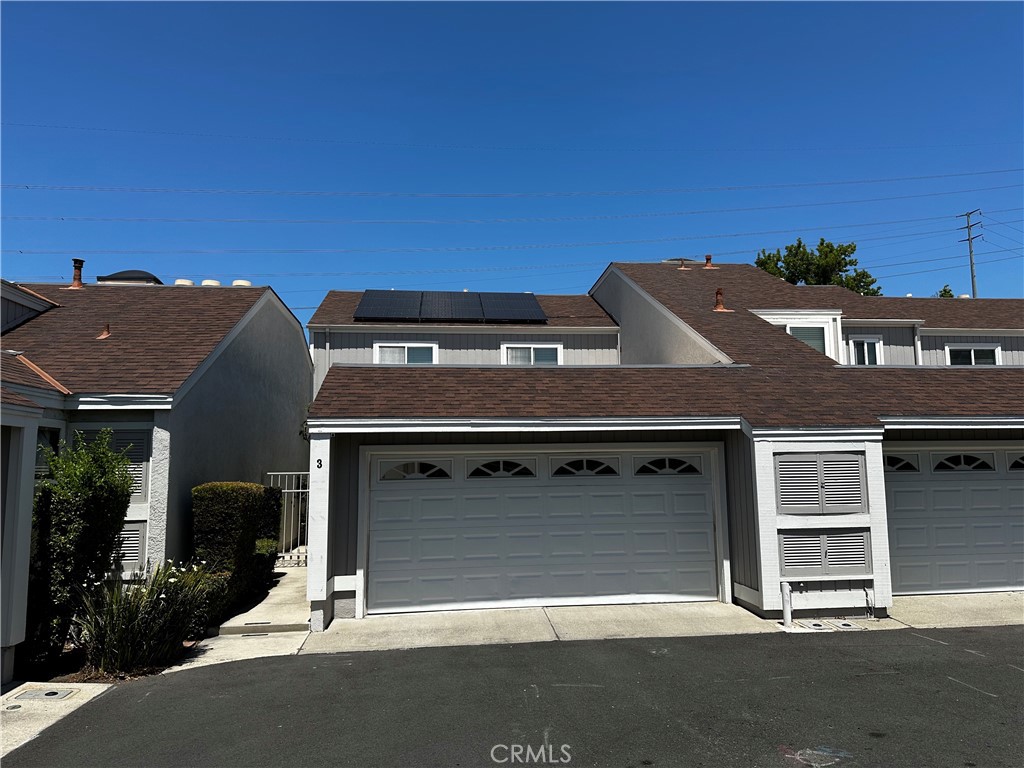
[512,308]
[449,305]
[389,305]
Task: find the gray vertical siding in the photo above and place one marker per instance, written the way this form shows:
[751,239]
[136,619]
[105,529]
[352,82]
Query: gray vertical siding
[743,541]
[897,342]
[461,348]
[345,469]
[649,335]
[15,313]
[933,348]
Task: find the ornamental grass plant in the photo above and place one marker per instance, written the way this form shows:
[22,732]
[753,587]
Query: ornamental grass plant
[143,622]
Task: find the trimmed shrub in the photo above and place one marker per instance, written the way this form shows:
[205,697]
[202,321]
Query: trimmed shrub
[142,623]
[228,518]
[78,515]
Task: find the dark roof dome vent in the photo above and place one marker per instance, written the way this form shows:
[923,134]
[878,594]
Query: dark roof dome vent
[130,277]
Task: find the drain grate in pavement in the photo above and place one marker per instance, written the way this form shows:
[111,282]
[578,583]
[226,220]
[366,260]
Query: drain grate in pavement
[819,626]
[54,694]
[844,626]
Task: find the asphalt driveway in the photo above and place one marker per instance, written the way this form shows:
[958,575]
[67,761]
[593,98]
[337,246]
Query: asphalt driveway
[942,697]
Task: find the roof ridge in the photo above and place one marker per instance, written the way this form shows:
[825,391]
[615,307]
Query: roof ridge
[43,374]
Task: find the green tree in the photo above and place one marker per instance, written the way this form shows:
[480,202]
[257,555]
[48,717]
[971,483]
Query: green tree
[830,264]
[77,520]
[945,293]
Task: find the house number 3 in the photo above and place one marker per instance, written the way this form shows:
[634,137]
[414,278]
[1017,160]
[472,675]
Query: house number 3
[319,463]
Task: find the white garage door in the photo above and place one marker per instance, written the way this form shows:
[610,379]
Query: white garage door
[517,528]
[956,520]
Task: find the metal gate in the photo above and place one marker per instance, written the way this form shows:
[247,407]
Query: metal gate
[292,538]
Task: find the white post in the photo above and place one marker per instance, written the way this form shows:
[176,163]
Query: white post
[319,529]
[787,604]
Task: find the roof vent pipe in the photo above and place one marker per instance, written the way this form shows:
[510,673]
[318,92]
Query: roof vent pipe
[707,262]
[76,278]
[241,283]
[184,281]
[682,264]
[105,333]
[211,282]
[719,301]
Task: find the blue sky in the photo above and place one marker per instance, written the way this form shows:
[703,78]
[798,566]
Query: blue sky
[725,123]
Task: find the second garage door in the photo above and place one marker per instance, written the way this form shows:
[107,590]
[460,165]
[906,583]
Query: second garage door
[956,519]
[540,528]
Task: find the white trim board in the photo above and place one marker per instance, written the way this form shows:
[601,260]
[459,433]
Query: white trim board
[329,426]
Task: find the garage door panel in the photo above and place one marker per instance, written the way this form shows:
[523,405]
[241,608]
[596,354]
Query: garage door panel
[955,532]
[501,540]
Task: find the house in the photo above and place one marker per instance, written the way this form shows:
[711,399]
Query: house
[683,432]
[198,383]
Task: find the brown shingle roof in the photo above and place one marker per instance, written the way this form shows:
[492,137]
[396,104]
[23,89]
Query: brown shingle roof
[13,398]
[158,334]
[338,308]
[579,392]
[14,369]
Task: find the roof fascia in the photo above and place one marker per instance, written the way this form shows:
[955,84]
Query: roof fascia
[332,425]
[47,398]
[952,422]
[818,434]
[879,321]
[27,297]
[489,329]
[972,331]
[114,402]
[698,338]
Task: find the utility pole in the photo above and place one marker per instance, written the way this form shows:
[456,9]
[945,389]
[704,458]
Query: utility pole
[970,248]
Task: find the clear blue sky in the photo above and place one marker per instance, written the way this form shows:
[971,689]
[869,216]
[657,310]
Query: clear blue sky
[502,98]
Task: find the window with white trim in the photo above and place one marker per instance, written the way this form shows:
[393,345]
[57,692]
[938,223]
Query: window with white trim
[134,443]
[488,468]
[416,470]
[963,462]
[811,335]
[606,467]
[824,553]
[1015,462]
[820,483]
[974,354]
[667,465]
[866,350]
[404,353]
[531,354]
[897,462]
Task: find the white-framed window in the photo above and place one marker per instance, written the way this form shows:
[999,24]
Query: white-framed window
[901,462]
[963,462]
[607,466]
[1015,462]
[820,484]
[974,354]
[404,469]
[866,350]
[517,353]
[667,465]
[404,353]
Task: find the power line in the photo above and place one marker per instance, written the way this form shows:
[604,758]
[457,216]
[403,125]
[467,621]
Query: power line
[412,145]
[943,258]
[612,193]
[1005,224]
[944,269]
[440,249]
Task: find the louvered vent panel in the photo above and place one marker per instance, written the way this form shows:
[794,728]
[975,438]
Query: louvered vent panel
[801,551]
[134,446]
[847,550]
[131,545]
[798,483]
[842,479]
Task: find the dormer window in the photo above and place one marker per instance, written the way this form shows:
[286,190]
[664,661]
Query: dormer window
[391,353]
[531,354]
[973,354]
[811,335]
[866,350]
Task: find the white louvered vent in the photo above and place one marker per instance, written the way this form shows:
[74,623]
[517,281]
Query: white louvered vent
[842,480]
[801,551]
[135,445]
[846,550]
[799,483]
[131,546]
[824,553]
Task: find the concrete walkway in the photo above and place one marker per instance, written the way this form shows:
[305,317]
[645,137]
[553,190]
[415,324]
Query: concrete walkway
[285,608]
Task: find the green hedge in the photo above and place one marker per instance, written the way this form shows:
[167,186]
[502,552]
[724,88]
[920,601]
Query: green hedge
[228,520]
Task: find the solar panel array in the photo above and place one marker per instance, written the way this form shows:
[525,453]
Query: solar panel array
[449,306]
